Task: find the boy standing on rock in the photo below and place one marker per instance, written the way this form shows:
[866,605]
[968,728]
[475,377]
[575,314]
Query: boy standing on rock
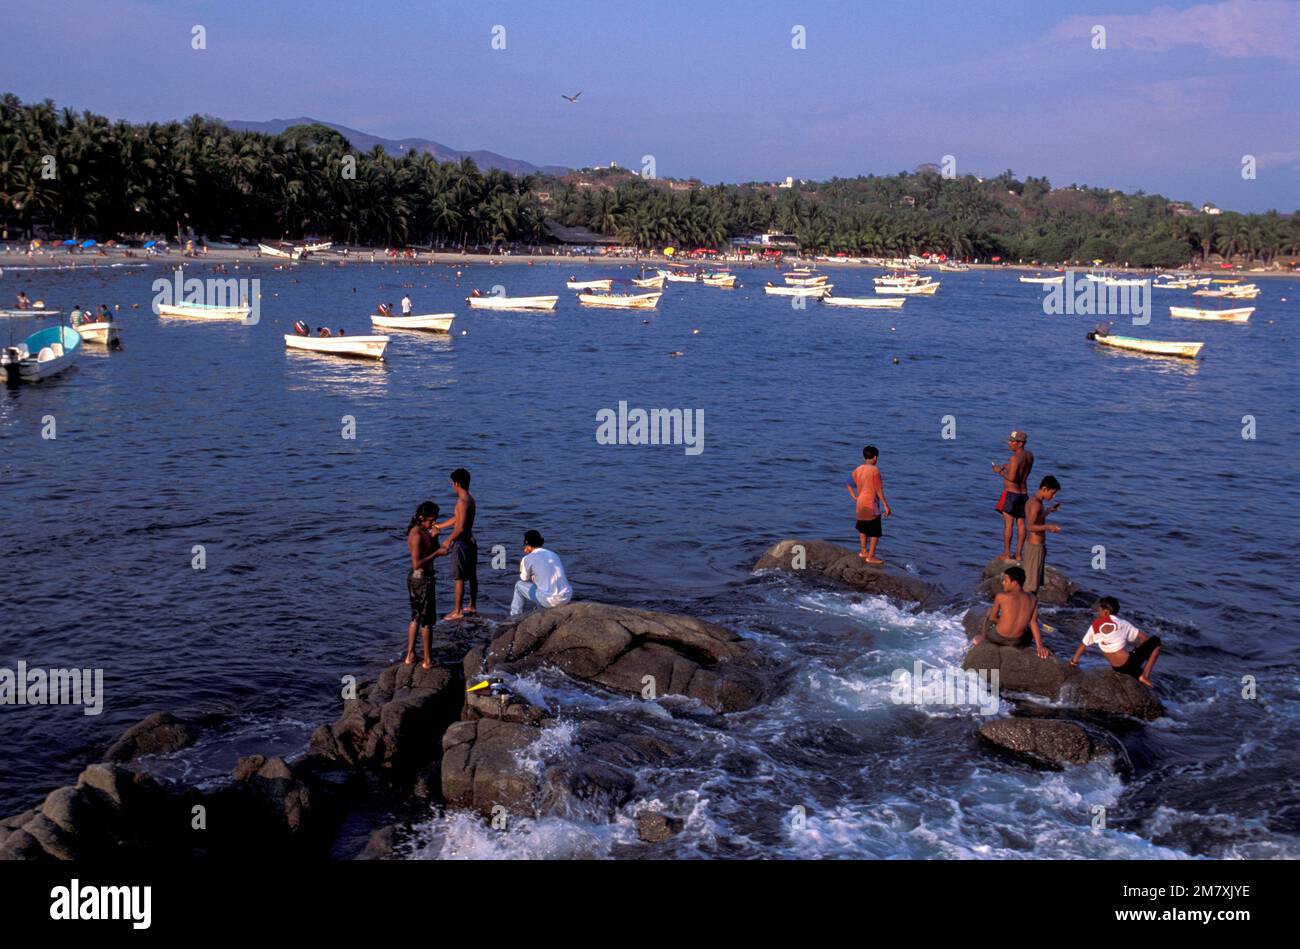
[1035,554]
[461,547]
[1112,635]
[1011,505]
[865,487]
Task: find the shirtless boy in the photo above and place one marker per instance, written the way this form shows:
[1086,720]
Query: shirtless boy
[1011,505]
[422,544]
[462,547]
[1036,511]
[1014,616]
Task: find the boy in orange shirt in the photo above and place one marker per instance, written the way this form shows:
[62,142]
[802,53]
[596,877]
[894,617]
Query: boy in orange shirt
[865,486]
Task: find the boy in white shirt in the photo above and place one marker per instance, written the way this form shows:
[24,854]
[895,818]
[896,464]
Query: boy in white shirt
[541,577]
[1113,635]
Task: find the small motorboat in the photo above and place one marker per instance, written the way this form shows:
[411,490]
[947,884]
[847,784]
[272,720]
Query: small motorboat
[204,311]
[105,334]
[649,283]
[488,302]
[365,347]
[1151,347]
[865,303]
[1060,279]
[1238,315]
[589,284]
[429,322]
[925,288]
[44,354]
[631,301]
[816,290]
[725,280]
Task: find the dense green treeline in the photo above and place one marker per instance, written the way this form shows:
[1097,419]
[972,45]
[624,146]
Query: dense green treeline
[80,174]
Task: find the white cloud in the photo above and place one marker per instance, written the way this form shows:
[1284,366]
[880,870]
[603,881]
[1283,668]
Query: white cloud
[1236,28]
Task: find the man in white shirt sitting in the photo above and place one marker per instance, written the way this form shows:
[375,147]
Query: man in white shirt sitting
[1113,636]
[541,577]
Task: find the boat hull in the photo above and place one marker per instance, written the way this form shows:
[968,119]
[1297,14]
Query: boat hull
[865,303]
[195,311]
[428,322]
[105,334]
[512,303]
[1238,315]
[640,301]
[24,364]
[357,347]
[1152,347]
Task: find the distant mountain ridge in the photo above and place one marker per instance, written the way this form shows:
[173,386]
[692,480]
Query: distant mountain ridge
[364,141]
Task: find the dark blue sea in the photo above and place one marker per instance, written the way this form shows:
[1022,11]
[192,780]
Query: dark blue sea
[214,435]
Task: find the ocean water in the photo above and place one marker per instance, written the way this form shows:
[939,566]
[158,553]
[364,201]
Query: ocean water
[213,435]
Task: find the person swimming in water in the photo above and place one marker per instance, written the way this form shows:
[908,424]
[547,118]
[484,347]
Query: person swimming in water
[1013,616]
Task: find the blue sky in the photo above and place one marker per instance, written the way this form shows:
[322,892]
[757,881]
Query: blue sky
[1179,95]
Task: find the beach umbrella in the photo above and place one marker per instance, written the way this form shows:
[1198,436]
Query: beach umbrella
[669,251]
[69,242]
[149,243]
[88,244]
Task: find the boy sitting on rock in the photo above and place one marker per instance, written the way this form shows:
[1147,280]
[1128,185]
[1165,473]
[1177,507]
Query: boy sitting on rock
[1113,635]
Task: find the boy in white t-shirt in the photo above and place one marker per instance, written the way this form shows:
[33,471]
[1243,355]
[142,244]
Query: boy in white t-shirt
[542,581]
[1113,636]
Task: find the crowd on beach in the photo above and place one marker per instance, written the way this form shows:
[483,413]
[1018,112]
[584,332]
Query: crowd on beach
[1012,619]
[542,581]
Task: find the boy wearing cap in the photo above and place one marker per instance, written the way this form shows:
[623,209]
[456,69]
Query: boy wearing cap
[1015,475]
[1113,635]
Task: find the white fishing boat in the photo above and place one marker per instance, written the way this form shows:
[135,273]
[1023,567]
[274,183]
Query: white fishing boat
[1245,291]
[649,283]
[488,302]
[1152,347]
[803,278]
[203,311]
[679,276]
[953,268]
[1238,315]
[1125,281]
[727,280]
[30,311]
[44,354]
[589,284]
[812,291]
[366,347]
[287,251]
[430,322]
[901,280]
[927,288]
[105,334]
[631,301]
[317,248]
[865,303]
[1060,279]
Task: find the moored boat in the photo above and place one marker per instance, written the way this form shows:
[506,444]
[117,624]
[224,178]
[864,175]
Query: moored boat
[632,301]
[927,288]
[1152,347]
[650,283]
[489,302]
[589,284]
[809,291]
[203,311]
[366,347]
[866,303]
[1237,315]
[106,334]
[1060,279]
[44,354]
[431,322]
[727,280]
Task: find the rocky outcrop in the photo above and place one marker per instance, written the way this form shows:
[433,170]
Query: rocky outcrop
[1057,589]
[1100,690]
[618,648]
[480,769]
[158,733]
[396,722]
[831,562]
[1045,741]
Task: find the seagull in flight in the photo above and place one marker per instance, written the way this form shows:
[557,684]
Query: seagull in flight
[570,98]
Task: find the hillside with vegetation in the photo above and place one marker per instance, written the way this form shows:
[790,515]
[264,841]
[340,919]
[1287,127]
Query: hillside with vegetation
[79,174]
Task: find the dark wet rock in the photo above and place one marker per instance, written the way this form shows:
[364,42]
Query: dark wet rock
[505,707]
[1044,741]
[380,845]
[20,845]
[1057,589]
[159,733]
[1099,690]
[654,827]
[819,558]
[585,788]
[396,722]
[273,796]
[480,769]
[618,648]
